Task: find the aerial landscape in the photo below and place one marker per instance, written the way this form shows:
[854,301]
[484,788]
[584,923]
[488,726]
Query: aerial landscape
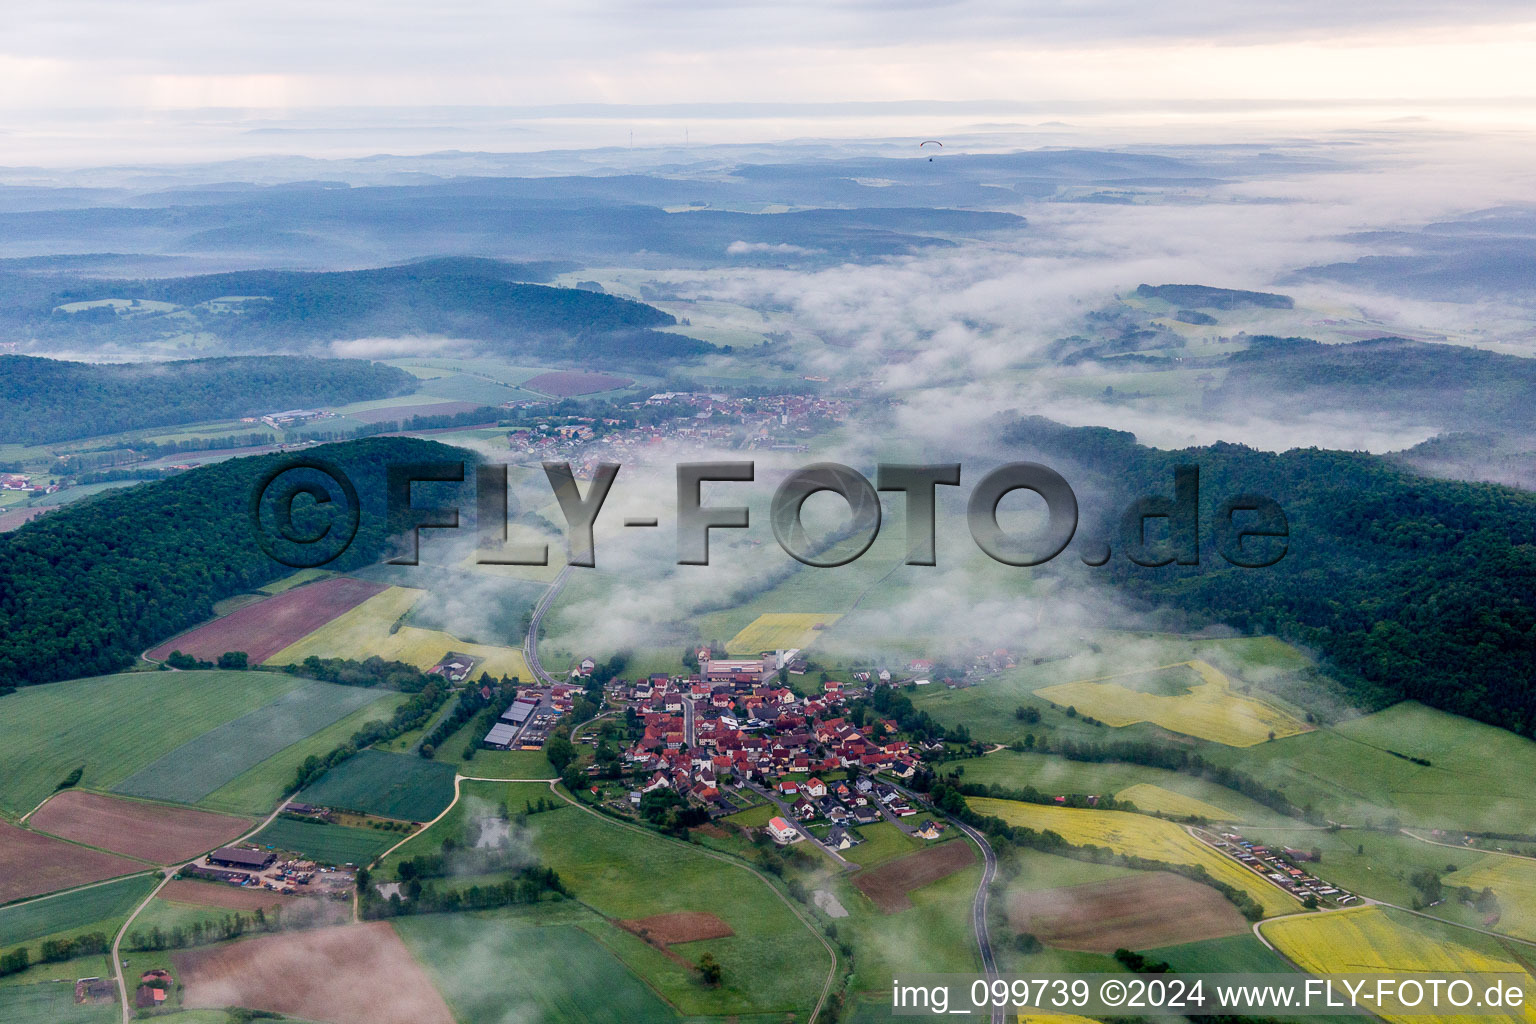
[695,519]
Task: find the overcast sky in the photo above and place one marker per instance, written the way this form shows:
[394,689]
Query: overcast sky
[297,53]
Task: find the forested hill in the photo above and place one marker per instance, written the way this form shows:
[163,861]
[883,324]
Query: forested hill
[45,400]
[84,589]
[261,310]
[1410,587]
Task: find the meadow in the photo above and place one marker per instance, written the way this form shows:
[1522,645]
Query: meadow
[1206,707]
[51,1003]
[1137,835]
[208,762]
[399,786]
[114,726]
[772,963]
[496,764]
[1364,940]
[327,844]
[1359,772]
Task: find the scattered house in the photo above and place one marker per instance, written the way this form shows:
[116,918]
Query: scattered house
[789,787]
[840,838]
[930,830]
[814,788]
[782,832]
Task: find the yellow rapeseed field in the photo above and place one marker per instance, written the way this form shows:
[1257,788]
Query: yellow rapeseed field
[368,630]
[1211,710]
[780,631]
[1140,836]
[1513,881]
[1148,797]
[1370,940]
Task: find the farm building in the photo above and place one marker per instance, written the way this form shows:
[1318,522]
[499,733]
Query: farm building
[240,857]
[738,670]
[501,736]
[518,713]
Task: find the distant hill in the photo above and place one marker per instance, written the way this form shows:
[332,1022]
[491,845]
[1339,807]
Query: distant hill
[45,400]
[265,310]
[1199,296]
[1409,587]
[85,588]
[1452,386]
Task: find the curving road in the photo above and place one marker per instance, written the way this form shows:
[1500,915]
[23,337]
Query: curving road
[979,925]
[979,906]
[531,641]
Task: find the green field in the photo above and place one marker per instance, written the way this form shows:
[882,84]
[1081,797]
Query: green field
[258,790]
[934,934]
[399,786]
[206,763]
[533,977]
[1476,778]
[1038,870]
[1236,954]
[115,725]
[882,842]
[51,1002]
[73,910]
[328,844]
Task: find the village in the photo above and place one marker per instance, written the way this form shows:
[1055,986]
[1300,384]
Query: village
[707,419]
[732,734]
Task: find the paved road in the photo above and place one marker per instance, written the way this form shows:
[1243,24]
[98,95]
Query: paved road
[167,874]
[690,735]
[531,641]
[980,927]
[979,923]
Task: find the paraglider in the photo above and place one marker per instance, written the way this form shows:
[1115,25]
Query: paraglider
[930,142]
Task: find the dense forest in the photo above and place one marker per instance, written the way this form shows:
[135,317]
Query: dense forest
[44,400]
[261,310]
[84,589]
[1408,586]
